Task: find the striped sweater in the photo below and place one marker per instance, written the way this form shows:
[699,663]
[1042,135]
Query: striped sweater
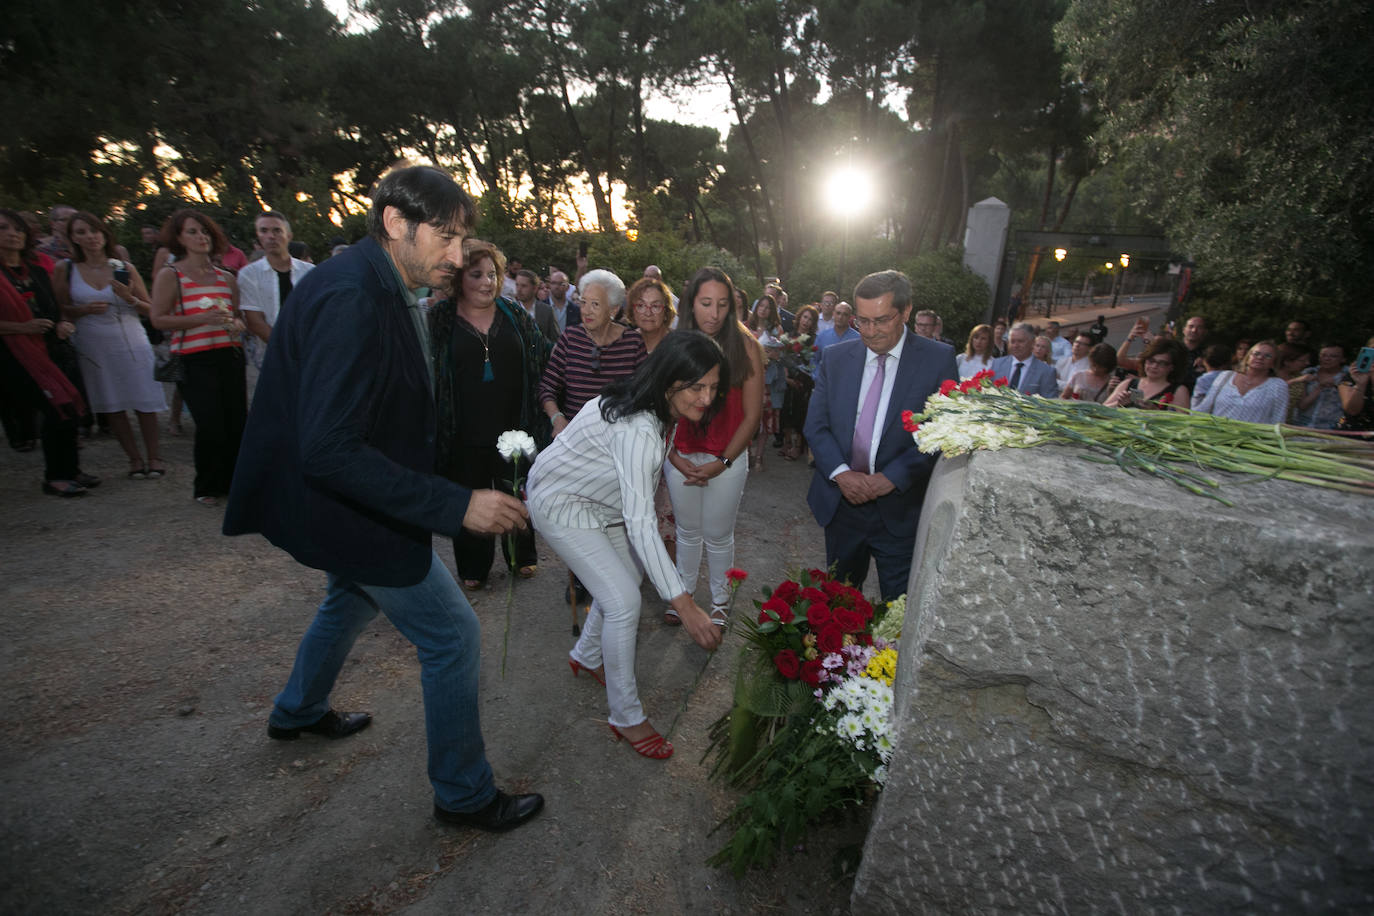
[578,370]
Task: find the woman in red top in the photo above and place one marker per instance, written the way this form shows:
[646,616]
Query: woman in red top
[704,479]
[199,303]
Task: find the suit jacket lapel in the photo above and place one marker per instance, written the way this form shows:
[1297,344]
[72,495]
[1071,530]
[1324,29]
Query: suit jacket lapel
[907,368]
[850,377]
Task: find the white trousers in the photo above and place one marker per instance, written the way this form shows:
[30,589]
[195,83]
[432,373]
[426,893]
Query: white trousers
[603,561]
[706,515]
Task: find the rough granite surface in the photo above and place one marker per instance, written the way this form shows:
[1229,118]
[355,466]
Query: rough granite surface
[1114,696]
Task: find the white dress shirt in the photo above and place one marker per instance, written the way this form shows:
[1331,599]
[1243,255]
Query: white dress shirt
[894,356]
[258,289]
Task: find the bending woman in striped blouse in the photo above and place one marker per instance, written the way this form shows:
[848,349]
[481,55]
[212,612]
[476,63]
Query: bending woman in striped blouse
[591,495]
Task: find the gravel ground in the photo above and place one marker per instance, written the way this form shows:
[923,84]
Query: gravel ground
[141,656]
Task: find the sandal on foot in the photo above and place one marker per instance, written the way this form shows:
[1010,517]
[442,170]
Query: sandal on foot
[155,472]
[64,488]
[655,747]
[210,501]
[720,615]
[138,473]
[89,481]
[671,618]
[474,585]
[577,668]
[528,572]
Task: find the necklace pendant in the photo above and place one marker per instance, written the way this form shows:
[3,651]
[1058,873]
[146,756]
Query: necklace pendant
[487,374]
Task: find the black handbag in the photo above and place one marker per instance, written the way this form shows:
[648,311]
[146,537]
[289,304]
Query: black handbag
[172,369]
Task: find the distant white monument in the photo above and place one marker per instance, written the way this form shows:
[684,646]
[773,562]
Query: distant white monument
[985,239]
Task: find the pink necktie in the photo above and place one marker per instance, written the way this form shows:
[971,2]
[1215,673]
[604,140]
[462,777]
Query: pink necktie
[863,432]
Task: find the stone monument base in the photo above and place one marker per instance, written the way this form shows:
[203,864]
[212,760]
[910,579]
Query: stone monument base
[1115,696]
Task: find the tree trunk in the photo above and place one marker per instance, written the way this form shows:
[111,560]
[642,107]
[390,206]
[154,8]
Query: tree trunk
[536,182]
[1028,284]
[758,169]
[483,174]
[780,98]
[754,224]
[147,147]
[706,218]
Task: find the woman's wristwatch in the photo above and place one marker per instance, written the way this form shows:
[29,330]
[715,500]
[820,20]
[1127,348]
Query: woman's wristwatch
[725,461]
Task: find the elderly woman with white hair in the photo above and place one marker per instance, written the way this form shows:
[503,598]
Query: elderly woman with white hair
[589,356]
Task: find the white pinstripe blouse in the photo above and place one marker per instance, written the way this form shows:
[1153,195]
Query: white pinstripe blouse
[597,474]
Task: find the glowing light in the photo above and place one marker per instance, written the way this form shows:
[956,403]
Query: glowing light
[1060,254]
[848,189]
[1125,260]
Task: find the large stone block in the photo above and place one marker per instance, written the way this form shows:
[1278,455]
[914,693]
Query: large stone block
[1114,696]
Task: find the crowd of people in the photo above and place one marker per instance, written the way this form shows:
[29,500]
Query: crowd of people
[421,346]
[1261,381]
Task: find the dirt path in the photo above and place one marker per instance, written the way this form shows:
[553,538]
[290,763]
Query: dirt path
[141,654]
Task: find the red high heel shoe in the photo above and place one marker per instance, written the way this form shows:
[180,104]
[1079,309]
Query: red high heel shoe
[654,746]
[577,667]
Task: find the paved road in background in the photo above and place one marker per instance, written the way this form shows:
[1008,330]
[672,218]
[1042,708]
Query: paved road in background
[1119,320]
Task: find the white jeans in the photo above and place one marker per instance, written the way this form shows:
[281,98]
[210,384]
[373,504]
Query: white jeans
[706,515]
[604,562]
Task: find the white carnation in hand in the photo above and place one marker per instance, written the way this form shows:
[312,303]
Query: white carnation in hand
[514,442]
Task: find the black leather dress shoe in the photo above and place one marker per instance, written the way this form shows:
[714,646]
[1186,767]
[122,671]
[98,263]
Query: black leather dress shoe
[502,813]
[332,725]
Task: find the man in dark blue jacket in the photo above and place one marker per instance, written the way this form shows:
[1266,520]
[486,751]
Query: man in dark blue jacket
[336,468]
[870,478]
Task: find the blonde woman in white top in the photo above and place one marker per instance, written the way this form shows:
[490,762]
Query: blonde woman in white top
[591,497]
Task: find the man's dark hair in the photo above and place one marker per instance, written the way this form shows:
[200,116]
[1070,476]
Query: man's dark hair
[298,250]
[528,275]
[877,285]
[1218,356]
[422,194]
[1103,356]
[273,214]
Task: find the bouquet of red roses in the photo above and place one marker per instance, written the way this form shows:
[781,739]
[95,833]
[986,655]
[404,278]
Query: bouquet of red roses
[808,733]
[803,622]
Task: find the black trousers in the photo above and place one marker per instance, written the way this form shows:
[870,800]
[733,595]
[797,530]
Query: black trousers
[484,469]
[217,393]
[24,400]
[857,536]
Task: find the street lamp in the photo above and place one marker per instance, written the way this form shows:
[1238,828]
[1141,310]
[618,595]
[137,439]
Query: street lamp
[1120,283]
[1121,278]
[848,189]
[1059,255]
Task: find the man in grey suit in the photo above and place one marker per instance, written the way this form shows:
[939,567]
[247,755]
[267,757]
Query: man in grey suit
[1022,371]
[870,478]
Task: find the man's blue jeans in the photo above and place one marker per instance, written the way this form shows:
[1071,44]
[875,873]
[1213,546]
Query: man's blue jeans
[436,617]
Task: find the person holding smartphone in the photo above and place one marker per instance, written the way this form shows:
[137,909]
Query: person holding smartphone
[1357,395]
[1165,364]
[104,297]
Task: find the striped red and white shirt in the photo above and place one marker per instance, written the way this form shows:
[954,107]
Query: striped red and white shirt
[203,299]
